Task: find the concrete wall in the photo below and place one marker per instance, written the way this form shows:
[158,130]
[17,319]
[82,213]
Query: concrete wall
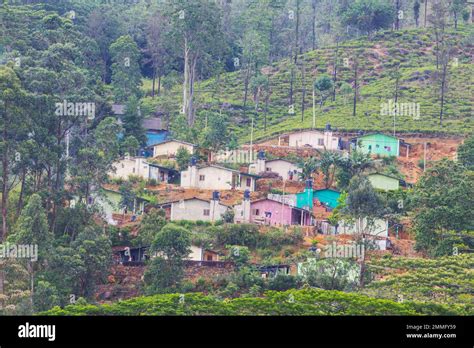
[170,148]
[242,212]
[383,182]
[316,139]
[196,253]
[193,209]
[200,254]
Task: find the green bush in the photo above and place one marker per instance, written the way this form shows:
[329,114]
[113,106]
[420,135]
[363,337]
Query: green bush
[238,234]
[284,282]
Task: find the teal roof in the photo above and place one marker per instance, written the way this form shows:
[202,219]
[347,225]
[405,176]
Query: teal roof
[377,135]
[328,197]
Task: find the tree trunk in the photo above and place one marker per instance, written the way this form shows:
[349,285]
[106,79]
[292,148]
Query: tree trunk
[396,87]
[267,99]
[292,76]
[314,109]
[355,89]
[271,35]
[303,92]
[246,88]
[362,272]
[313,25]
[32,282]
[55,186]
[186,77]
[2,283]
[153,84]
[5,174]
[443,87]
[297,30]
[22,190]
[335,70]
[426,9]
[397,19]
[190,108]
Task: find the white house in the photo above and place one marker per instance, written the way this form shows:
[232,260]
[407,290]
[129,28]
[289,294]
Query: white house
[195,209]
[213,177]
[202,254]
[324,140]
[138,166]
[286,169]
[130,166]
[169,148]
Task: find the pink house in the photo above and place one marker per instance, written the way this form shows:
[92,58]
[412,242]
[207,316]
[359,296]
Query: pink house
[270,212]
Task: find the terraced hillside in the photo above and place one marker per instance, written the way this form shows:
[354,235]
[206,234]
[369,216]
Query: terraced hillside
[377,58]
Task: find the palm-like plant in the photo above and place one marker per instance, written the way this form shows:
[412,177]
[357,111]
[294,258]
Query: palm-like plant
[328,162]
[308,168]
[360,162]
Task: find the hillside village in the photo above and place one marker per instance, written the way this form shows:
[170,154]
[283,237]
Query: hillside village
[265,192]
[290,157]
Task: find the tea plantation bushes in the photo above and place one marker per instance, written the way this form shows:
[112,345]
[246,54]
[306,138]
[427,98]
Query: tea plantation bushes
[292,302]
[447,279]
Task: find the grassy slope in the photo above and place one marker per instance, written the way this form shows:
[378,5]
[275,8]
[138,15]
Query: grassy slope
[413,48]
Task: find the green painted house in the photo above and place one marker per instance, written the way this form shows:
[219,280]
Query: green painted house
[328,197]
[384,182]
[378,144]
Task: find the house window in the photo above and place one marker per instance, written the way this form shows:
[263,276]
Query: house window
[268,169]
[249,182]
[209,257]
[255,211]
[202,177]
[133,170]
[206,212]
[321,142]
[268,214]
